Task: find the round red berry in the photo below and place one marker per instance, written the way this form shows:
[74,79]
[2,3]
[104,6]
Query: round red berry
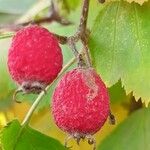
[80,103]
[34,58]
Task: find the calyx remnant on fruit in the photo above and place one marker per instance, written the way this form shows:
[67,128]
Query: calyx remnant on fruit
[79,137]
[30,87]
[34,59]
[33,87]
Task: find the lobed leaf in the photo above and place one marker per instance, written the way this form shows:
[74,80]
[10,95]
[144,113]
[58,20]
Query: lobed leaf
[119,45]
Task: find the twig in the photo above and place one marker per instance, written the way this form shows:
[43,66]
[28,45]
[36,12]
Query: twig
[6,35]
[82,30]
[84,16]
[72,45]
[61,39]
[86,49]
[53,16]
[81,34]
[41,95]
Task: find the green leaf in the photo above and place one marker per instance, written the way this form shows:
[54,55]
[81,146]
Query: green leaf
[119,45]
[132,134]
[117,93]
[13,136]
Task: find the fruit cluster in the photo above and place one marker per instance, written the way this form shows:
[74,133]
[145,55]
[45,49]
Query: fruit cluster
[80,103]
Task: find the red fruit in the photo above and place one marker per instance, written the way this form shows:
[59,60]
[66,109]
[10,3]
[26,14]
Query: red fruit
[34,58]
[81,103]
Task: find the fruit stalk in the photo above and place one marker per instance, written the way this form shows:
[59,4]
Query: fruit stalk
[84,17]
[41,95]
[80,34]
[82,30]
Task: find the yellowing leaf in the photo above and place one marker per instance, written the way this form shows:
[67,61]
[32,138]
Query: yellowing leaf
[130,1]
[137,1]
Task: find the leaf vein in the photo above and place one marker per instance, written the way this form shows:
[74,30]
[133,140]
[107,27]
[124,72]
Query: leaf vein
[137,29]
[114,40]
